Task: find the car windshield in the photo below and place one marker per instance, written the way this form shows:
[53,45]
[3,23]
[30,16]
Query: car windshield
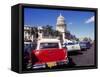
[49,45]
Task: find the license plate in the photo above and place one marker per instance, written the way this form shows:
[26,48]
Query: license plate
[51,64]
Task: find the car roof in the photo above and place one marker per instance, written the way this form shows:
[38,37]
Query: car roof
[66,40]
[49,40]
[27,42]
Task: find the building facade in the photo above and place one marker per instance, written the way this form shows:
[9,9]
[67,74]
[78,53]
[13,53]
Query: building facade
[27,33]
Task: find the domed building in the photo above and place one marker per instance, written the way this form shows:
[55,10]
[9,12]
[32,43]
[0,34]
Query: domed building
[61,25]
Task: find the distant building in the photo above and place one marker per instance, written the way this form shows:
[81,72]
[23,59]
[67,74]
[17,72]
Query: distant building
[31,34]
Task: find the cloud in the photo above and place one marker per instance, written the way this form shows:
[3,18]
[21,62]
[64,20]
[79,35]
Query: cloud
[90,20]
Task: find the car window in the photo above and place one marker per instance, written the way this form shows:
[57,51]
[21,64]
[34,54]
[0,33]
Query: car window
[27,48]
[49,45]
[27,45]
[70,44]
[34,46]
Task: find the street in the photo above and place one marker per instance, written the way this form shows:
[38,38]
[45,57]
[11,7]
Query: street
[83,58]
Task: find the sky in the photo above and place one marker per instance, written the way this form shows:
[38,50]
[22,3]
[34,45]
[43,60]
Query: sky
[79,23]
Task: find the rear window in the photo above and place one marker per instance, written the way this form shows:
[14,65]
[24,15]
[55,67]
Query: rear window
[48,45]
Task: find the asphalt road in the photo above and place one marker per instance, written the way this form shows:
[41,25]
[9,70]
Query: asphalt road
[83,58]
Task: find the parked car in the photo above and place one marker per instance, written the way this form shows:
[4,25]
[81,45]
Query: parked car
[49,53]
[71,46]
[83,45]
[27,45]
[88,44]
[27,51]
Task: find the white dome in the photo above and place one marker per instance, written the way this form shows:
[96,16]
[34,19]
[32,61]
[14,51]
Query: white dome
[60,17]
[60,20]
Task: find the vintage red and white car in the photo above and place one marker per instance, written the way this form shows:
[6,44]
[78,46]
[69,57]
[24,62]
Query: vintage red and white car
[49,53]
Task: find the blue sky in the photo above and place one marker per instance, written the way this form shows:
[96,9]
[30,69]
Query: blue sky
[79,23]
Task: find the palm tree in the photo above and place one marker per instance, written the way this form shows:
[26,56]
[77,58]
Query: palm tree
[47,30]
[34,32]
[56,33]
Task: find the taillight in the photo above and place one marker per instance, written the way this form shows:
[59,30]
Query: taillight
[37,52]
[66,53]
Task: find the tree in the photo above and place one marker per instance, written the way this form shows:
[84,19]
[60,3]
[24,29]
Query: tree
[90,39]
[56,33]
[47,30]
[85,39]
[34,32]
[77,39]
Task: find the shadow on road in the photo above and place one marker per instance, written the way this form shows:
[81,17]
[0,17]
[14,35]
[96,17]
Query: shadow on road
[71,62]
[74,53]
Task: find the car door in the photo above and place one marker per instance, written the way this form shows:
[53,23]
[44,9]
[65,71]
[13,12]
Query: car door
[76,46]
[70,46]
